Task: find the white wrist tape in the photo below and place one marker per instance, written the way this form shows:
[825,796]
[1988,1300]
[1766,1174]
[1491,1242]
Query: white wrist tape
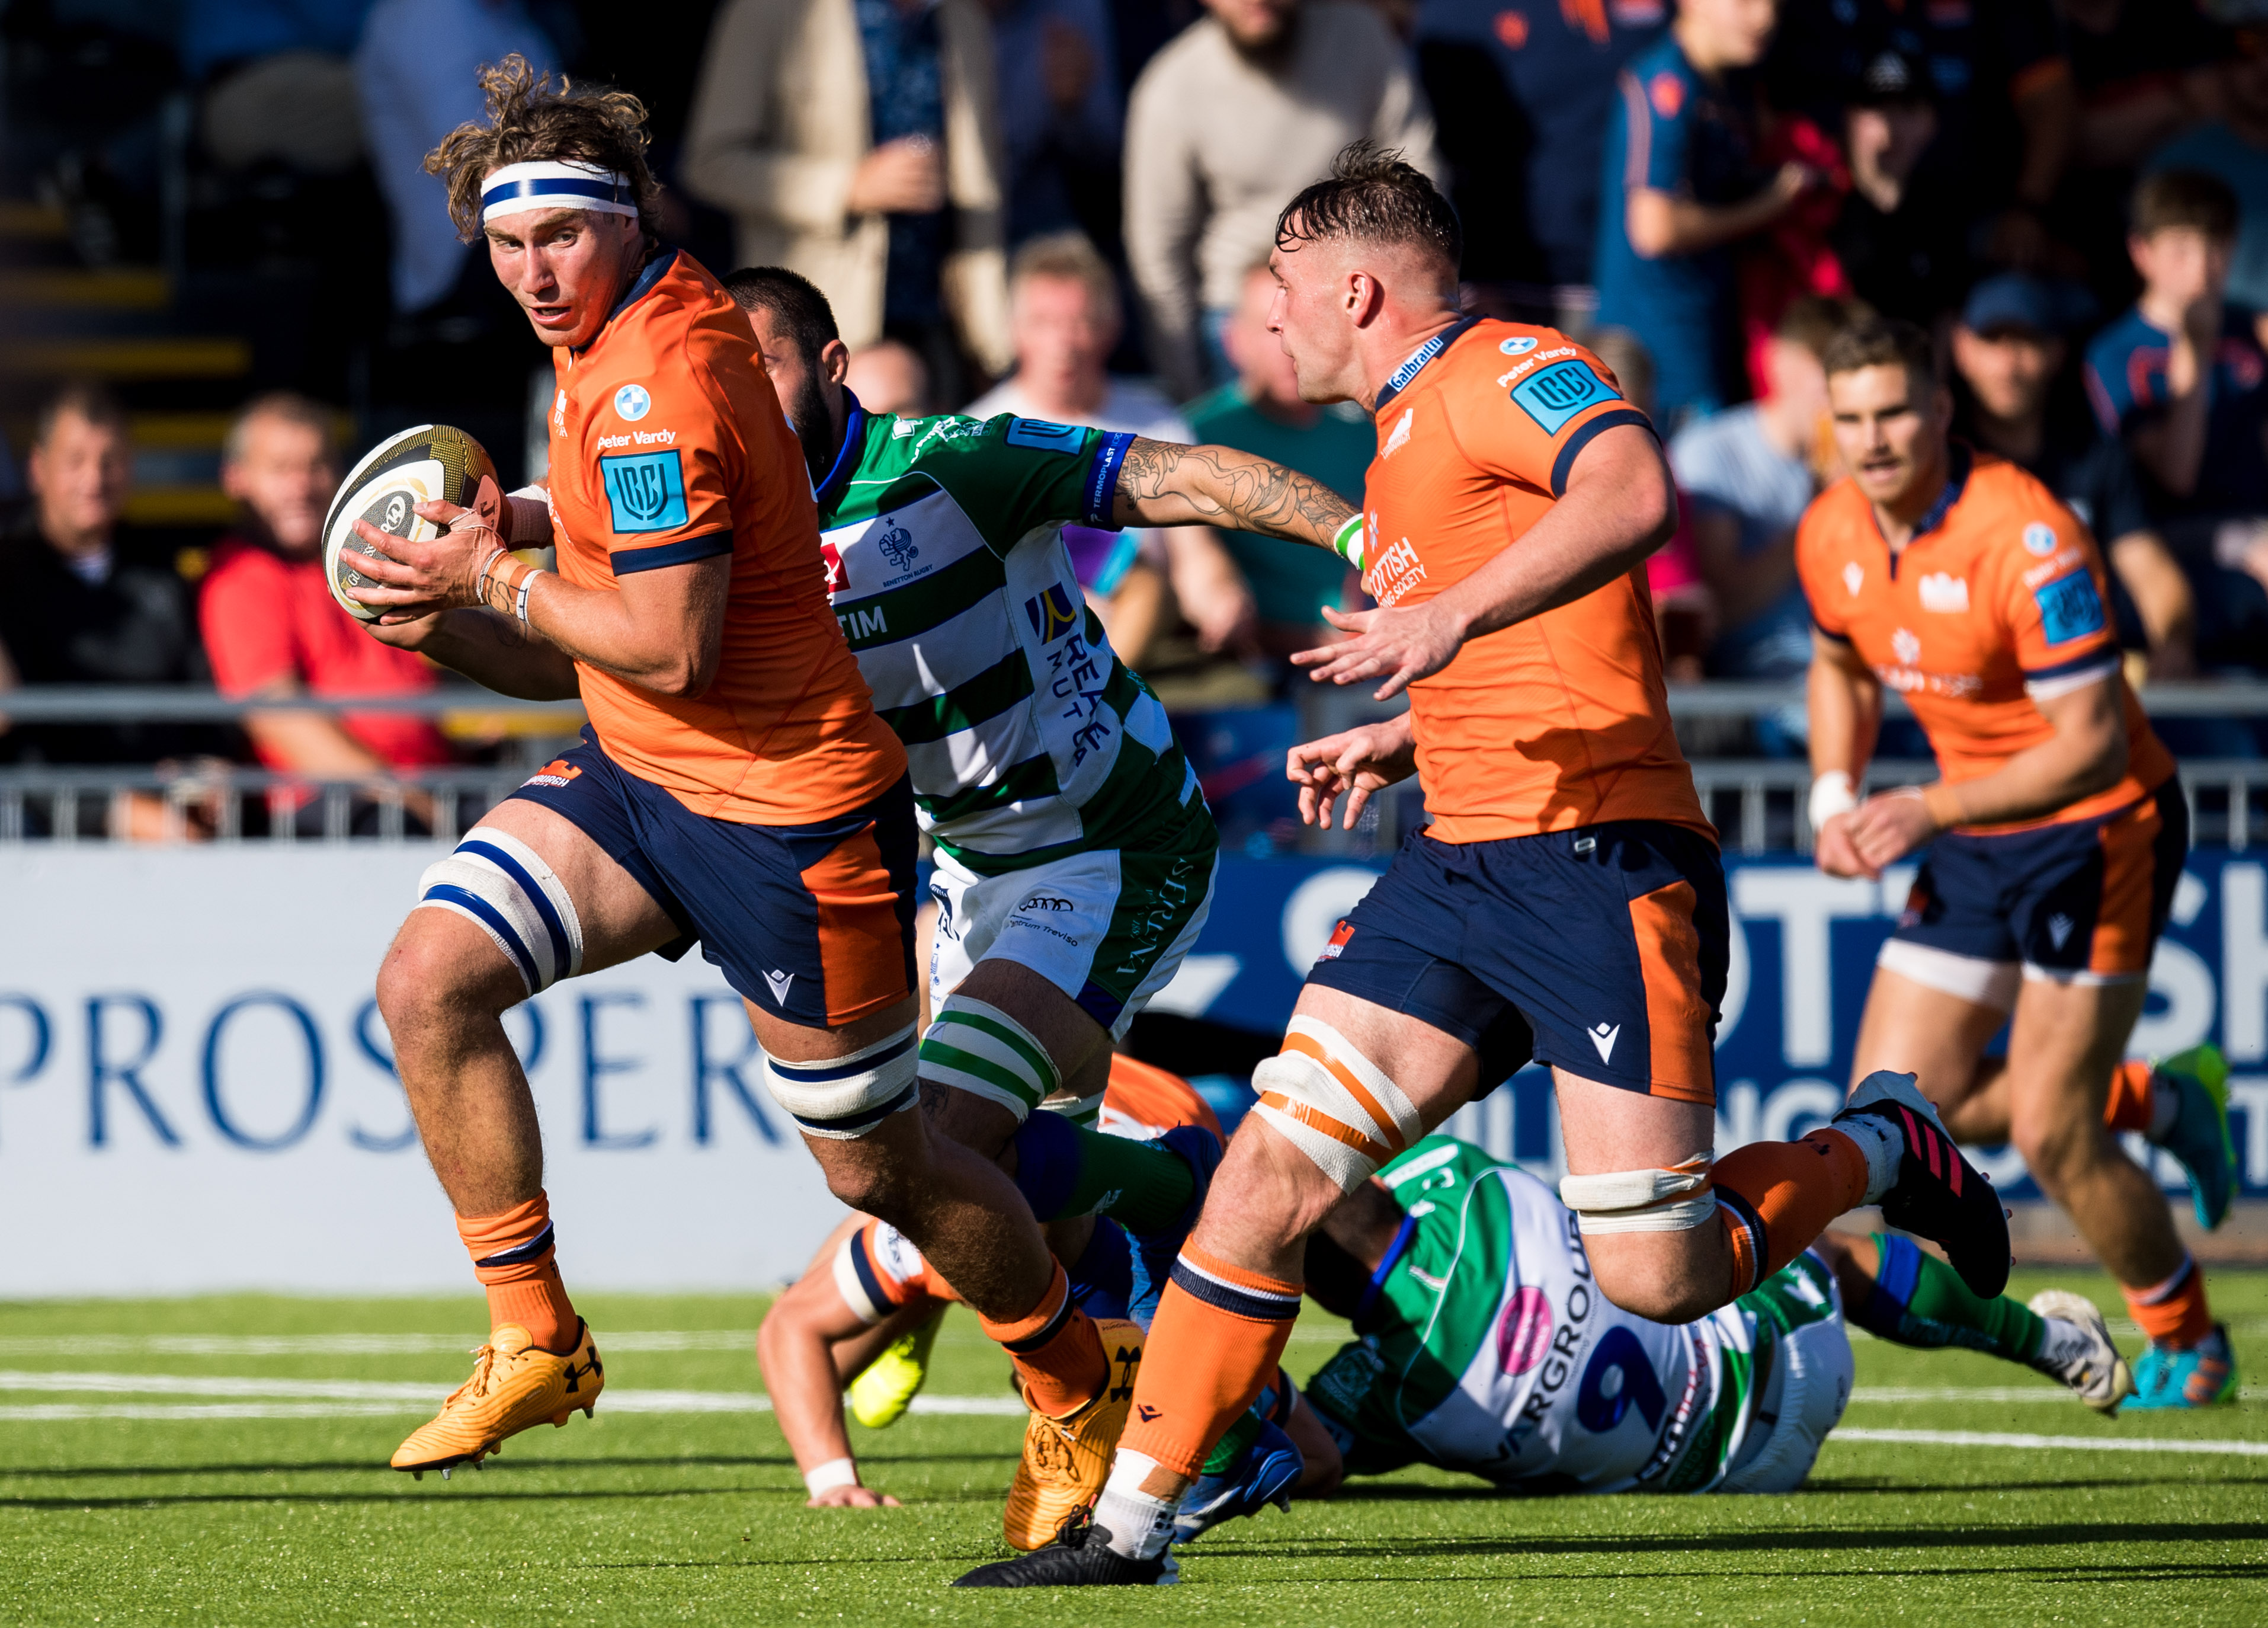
[1348,544]
[1831,794]
[826,1477]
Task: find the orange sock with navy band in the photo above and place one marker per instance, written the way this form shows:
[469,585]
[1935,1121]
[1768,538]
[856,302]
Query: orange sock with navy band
[512,1256]
[2173,1314]
[1774,1197]
[2132,1102]
[1057,1350]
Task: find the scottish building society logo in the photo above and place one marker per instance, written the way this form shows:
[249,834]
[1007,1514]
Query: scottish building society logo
[645,491]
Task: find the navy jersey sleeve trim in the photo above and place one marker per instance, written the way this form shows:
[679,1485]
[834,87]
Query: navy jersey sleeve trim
[1562,465]
[660,556]
[2094,661]
[1102,479]
[1827,632]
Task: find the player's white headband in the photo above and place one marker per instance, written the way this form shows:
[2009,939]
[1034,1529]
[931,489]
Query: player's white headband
[552,185]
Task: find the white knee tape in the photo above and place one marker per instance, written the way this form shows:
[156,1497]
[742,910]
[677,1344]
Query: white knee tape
[1643,1201]
[499,884]
[843,1098]
[1334,1104]
[975,1047]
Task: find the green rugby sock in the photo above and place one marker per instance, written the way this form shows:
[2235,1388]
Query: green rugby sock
[1918,1299]
[1065,1170]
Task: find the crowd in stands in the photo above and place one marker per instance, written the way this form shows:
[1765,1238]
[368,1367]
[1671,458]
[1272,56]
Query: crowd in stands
[1062,209]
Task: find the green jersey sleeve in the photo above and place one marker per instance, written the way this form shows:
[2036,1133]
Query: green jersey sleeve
[1011,474]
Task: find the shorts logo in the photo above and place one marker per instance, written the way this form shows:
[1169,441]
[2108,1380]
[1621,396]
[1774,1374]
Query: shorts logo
[632,403]
[1941,591]
[2040,540]
[558,771]
[1905,647]
[1853,574]
[1558,393]
[1052,614]
[1045,902]
[1603,1037]
[1336,947]
[2070,607]
[2059,926]
[1040,436]
[1520,345]
[897,545]
[645,491]
[778,982]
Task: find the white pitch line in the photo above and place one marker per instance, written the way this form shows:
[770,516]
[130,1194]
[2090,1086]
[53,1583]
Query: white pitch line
[2067,1444]
[339,1345]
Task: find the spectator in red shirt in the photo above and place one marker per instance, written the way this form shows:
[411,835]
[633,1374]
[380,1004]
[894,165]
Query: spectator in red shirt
[270,625]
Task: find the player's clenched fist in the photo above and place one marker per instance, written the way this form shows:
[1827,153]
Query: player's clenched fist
[1405,644]
[418,578]
[1352,763]
[1882,830]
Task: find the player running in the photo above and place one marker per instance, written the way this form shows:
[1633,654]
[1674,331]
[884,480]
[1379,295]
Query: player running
[735,785]
[1567,899]
[2056,834]
[1482,1345]
[860,1321]
[1074,852]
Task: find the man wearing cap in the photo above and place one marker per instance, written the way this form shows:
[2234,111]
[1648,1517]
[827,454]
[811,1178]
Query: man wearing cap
[2008,349]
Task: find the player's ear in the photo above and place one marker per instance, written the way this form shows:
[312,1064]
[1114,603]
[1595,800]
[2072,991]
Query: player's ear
[834,361]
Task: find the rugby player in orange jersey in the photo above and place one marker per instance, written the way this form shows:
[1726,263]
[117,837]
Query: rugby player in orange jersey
[2056,835]
[1567,901]
[735,785]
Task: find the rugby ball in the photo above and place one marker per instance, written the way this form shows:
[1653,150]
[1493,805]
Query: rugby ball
[433,462]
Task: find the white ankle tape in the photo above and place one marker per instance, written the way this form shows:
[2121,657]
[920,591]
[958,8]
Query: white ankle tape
[1643,1201]
[843,1098]
[974,1046]
[826,1477]
[1334,1104]
[499,884]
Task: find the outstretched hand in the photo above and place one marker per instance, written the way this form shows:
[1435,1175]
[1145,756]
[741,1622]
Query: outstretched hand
[1403,644]
[852,1498]
[1352,763]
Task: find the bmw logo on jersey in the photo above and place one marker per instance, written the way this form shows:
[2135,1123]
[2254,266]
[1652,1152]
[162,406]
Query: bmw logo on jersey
[632,403]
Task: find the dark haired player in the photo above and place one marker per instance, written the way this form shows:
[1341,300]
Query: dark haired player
[1567,900]
[734,786]
[2056,835]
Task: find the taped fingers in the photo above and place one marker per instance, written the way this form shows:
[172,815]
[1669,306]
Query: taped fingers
[844,1098]
[1334,1104]
[1643,1201]
[502,886]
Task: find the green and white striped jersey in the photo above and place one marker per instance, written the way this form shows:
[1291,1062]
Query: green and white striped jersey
[1027,739]
[1490,1349]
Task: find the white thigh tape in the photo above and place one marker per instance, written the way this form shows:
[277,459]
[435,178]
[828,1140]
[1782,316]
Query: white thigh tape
[1306,1100]
[1972,978]
[499,884]
[844,1098]
[1642,1201]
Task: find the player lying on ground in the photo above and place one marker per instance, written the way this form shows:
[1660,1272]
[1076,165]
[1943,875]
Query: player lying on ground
[2054,837]
[1482,1345]
[1074,853]
[862,1318]
[735,785]
[1566,901]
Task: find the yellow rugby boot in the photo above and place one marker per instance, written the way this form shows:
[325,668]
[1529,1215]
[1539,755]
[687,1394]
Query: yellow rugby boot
[886,1387]
[1065,1460]
[514,1385]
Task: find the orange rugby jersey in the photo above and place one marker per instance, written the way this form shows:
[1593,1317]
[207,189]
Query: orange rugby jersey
[668,445]
[1560,720]
[1998,599]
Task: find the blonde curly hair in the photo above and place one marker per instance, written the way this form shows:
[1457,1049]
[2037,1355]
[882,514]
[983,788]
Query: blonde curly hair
[530,116]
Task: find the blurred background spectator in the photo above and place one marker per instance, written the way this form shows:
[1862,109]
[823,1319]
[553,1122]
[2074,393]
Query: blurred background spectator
[858,143]
[888,376]
[1225,124]
[1066,317]
[1684,610]
[1062,119]
[272,629]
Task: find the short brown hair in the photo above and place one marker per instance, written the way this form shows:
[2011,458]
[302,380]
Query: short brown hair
[530,117]
[2171,199]
[79,398]
[1071,257]
[287,405]
[1883,341]
[1813,320]
[1372,196]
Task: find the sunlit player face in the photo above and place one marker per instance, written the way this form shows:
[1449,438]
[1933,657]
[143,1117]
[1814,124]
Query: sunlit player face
[1313,318]
[1890,436]
[566,268]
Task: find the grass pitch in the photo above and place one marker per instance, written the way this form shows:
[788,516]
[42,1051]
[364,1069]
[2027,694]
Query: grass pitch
[222,1461]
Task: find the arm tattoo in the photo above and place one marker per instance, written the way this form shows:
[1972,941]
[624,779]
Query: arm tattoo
[1166,484]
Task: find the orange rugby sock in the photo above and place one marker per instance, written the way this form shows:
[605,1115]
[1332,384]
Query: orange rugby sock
[1218,1337]
[2173,1313]
[1774,1197]
[2131,1099]
[512,1256]
[1057,1350]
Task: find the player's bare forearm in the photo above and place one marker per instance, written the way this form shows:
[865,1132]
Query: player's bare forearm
[490,651]
[1161,484]
[795,1351]
[1844,702]
[2085,755]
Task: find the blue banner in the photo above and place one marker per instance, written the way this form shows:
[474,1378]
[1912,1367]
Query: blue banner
[1803,949]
